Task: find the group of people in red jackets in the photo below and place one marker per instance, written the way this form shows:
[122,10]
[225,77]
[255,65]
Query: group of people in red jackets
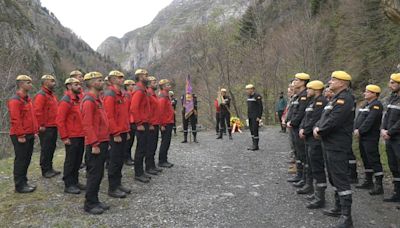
[99,122]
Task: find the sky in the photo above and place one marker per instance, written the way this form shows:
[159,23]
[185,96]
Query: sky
[96,20]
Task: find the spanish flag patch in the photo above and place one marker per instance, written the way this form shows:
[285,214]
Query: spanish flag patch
[319,103]
[340,101]
[303,98]
[376,107]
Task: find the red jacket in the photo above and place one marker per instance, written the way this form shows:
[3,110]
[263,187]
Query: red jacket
[166,109]
[22,117]
[154,115]
[117,112]
[94,120]
[69,120]
[140,107]
[45,105]
[217,107]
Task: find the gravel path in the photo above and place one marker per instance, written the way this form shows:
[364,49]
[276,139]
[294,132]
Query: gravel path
[213,184]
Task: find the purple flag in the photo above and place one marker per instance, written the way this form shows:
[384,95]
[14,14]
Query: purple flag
[188,98]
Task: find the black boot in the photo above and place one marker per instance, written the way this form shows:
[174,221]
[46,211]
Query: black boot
[353,177]
[396,194]
[336,211]
[195,137]
[185,135]
[378,187]
[298,177]
[319,199]
[367,184]
[230,134]
[308,187]
[345,220]
[256,144]
[252,146]
[220,135]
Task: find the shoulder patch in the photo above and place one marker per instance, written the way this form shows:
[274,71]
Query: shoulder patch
[319,103]
[259,98]
[340,101]
[88,98]
[376,107]
[109,93]
[41,92]
[15,97]
[303,98]
[66,98]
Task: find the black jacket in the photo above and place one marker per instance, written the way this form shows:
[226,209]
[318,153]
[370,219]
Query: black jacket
[313,114]
[299,109]
[225,107]
[337,121]
[391,121]
[254,106]
[368,121]
[290,108]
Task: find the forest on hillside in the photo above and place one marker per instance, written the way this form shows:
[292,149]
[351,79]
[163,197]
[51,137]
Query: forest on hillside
[276,39]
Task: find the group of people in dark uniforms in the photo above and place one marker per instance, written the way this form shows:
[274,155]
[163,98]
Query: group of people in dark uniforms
[322,123]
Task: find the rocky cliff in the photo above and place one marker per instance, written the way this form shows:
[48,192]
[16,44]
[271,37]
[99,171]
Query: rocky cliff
[33,41]
[151,42]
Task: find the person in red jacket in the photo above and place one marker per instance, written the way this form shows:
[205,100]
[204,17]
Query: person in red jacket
[217,114]
[78,75]
[22,132]
[96,131]
[166,123]
[45,104]
[69,124]
[129,86]
[118,118]
[154,128]
[139,114]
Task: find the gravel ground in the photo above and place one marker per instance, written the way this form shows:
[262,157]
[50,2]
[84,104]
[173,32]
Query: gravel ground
[213,184]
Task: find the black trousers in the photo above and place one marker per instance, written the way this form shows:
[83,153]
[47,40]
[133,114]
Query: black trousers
[337,163]
[316,161]
[393,155]
[23,155]
[225,122]
[152,148]
[141,149]
[48,140]
[299,145]
[254,125]
[116,162]
[73,160]
[218,120]
[174,127]
[280,114]
[165,143]
[193,121]
[95,169]
[129,143]
[369,150]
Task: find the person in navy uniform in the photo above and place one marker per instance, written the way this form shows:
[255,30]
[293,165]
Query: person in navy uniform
[390,132]
[315,157]
[335,130]
[254,112]
[367,129]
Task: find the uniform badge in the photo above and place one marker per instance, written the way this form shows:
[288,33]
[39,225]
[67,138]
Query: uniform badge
[303,98]
[340,101]
[259,98]
[319,103]
[376,107]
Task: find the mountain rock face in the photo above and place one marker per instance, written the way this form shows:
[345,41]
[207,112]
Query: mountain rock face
[151,42]
[34,42]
